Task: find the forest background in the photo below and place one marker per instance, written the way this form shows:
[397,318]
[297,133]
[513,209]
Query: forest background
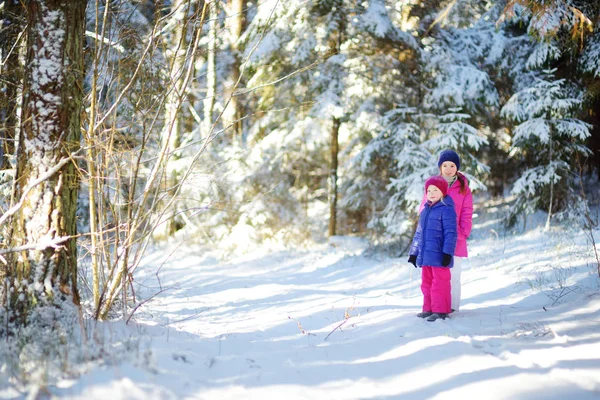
[235,124]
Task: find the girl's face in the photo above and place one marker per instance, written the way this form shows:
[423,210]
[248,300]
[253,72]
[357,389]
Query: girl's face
[434,194]
[448,168]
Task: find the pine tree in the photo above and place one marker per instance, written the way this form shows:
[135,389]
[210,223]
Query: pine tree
[388,173]
[48,185]
[450,79]
[549,137]
[329,69]
[408,146]
[590,59]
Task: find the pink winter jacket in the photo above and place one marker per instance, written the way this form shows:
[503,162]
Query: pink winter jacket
[463,205]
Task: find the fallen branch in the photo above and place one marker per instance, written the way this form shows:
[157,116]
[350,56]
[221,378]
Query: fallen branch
[337,327]
[563,293]
[347,316]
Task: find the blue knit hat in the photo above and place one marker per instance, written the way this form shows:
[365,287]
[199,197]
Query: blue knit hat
[449,155]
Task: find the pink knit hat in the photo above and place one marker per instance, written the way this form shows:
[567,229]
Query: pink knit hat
[439,182]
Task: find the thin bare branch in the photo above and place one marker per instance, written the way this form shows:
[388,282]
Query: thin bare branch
[56,168]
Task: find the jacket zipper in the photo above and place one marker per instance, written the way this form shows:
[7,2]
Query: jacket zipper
[426,219]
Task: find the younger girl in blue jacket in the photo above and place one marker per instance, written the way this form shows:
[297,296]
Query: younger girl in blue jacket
[433,248]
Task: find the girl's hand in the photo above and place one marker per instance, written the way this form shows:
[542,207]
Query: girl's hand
[446,260]
[413,260]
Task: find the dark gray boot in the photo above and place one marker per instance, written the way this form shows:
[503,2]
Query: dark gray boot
[435,316]
[424,314]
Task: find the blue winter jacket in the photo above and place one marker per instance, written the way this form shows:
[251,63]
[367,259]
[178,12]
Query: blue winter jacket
[436,233]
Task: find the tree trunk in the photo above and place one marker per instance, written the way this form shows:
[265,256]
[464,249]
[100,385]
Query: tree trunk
[177,56]
[235,110]
[333,175]
[335,48]
[171,135]
[211,66]
[50,135]
[12,15]
[547,227]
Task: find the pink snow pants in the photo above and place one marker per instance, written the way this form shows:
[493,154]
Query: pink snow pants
[435,285]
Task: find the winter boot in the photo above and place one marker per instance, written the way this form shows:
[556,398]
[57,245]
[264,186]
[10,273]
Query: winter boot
[424,314]
[435,316]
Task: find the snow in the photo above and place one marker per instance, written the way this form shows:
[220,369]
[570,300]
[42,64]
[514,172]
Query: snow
[542,53]
[47,70]
[376,19]
[548,21]
[337,321]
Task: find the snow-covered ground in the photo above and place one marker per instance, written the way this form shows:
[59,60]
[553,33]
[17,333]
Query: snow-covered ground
[338,322]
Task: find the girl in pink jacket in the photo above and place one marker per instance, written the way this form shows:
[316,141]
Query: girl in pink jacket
[459,191]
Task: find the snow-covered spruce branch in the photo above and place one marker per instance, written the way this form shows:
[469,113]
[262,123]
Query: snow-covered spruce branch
[11,211]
